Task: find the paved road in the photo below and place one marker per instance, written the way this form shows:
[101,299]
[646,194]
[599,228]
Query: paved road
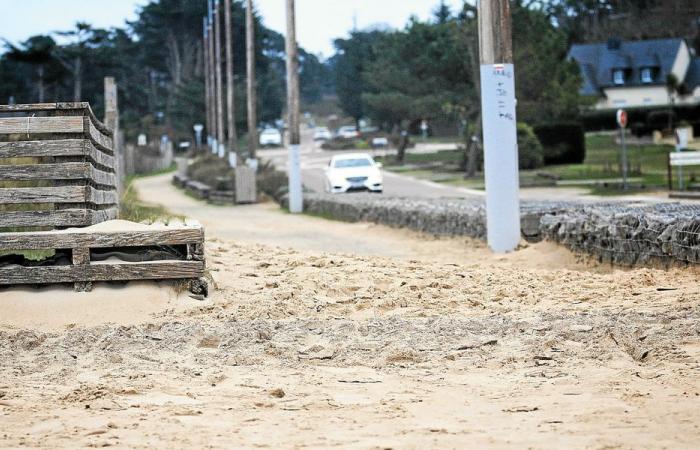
[314,159]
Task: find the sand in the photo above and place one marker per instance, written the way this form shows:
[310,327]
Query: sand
[417,343]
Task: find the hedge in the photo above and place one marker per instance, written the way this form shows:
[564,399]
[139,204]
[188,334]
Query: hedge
[563,142]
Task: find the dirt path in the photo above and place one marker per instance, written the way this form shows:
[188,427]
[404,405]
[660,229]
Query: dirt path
[299,348]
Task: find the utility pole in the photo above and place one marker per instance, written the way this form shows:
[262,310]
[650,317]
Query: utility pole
[296,202]
[252,82]
[230,108]
[207,97]
[499,125]
[212,80]
[219,80]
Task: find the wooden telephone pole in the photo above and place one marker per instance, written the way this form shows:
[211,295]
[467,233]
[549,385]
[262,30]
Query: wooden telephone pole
[252,82]
[499,125]
[207,87]
[295,188]
[219,79]
[212,78]
[230,107]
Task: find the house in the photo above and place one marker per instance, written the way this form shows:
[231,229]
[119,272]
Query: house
[625,74]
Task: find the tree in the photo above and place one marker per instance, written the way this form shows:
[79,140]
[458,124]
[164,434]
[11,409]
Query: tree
[37,52]
[353,57]
[85,39]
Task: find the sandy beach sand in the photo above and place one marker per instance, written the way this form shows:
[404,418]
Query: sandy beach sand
[303,349]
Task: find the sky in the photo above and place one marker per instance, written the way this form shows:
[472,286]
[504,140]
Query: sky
[318,21]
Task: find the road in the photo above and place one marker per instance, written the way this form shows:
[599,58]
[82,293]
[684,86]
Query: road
[314,159]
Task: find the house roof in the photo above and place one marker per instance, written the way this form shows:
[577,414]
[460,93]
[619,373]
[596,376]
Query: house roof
[598,61]
[692,78]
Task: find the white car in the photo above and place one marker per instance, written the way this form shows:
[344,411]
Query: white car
[354,172]
[270,137]
[349,132]
[322,134]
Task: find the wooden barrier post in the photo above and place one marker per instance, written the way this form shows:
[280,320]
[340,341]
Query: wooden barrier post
[112,122]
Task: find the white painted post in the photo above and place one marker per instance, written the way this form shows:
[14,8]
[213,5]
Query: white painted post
[499,126]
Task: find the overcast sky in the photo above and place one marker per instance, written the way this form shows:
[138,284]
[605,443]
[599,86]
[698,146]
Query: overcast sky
[318,21]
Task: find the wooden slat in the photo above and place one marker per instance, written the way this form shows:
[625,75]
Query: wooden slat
[83,107]
[41,125]
[62,218]
[101,177]
[100,139]
[100,197]
[43,240]
[57,148]
[41,149]
[62,194]
[155,270]
[103,215]
[28,172]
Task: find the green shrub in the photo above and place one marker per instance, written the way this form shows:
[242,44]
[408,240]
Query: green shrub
[273,183]
[563,142]
[530,151]
[214,172]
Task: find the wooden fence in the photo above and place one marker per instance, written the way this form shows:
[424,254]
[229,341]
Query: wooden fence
[57,167]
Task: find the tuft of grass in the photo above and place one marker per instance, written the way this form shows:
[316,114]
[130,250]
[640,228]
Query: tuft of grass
[133,209]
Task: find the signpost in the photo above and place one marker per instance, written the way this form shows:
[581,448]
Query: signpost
[198,128]
[681,143]
[622,120]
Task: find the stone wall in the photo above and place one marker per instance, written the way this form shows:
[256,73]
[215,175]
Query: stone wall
[619,233]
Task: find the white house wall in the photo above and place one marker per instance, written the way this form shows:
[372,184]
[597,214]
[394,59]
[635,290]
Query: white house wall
[682,62]
[626,97]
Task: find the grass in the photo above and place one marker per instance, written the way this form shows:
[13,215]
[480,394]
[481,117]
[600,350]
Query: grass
[133,209]
[647,168]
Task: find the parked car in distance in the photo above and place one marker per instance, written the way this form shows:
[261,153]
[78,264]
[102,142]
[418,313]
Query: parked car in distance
[270,137]
[354,172]
[380,142]
[322,134]
[348,132]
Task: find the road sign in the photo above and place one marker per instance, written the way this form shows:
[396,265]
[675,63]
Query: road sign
[622,118]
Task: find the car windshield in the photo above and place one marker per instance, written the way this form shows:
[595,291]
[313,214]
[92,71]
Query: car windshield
[270,131]
[347,163]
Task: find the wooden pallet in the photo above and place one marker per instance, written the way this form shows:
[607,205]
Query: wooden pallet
[185,244]
[57,167]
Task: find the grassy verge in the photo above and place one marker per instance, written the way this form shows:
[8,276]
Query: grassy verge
[133,209]
[647,164]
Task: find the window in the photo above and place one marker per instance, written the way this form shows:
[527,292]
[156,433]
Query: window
[350,163]
[647,75]
[619,76]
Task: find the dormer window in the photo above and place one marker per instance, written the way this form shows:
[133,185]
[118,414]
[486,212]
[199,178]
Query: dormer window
[619,77]
[647,75]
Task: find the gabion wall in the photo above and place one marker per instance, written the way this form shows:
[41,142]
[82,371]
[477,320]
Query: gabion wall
[615,232]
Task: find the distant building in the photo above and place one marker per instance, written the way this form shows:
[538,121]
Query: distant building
[624,74]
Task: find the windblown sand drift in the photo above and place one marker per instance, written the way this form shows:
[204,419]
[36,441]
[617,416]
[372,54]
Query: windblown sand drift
[319,350]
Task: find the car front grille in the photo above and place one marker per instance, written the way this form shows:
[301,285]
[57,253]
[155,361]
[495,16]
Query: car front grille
[356,179]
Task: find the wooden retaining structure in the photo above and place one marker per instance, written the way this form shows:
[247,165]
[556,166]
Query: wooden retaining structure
[57,167]
[86,255]
[58,171]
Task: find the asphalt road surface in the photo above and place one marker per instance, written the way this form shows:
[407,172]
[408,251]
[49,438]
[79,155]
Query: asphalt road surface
[314,159]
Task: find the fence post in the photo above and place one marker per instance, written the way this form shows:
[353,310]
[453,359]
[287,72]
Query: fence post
[112,122]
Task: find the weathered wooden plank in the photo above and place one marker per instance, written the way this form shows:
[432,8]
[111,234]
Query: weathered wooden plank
[62,194]
[100,139]
[78,108]
[62,218]
[101,177]
[155,270]
[103,215]
[57,148]
[41,125]
[28,172]
[41,149]
[43,240]
[100,197]
[99,157]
